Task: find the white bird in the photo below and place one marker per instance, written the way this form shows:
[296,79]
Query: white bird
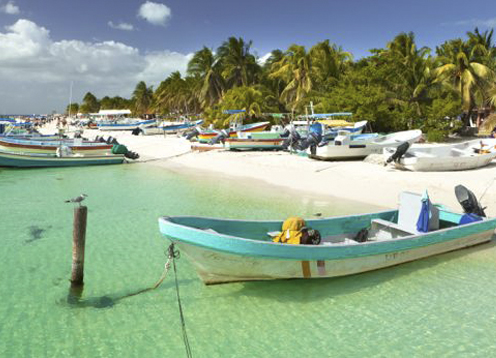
[77,199]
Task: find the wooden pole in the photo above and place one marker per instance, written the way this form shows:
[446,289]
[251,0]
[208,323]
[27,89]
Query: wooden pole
[78,242]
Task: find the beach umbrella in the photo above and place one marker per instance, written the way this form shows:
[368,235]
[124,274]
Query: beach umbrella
[425,214]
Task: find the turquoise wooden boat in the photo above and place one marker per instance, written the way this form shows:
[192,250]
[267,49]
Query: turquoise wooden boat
[39,160]
[224,250]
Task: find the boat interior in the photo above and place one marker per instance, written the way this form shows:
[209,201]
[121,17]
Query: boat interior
[347,230]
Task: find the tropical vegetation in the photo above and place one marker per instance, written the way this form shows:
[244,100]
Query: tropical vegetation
[396,87]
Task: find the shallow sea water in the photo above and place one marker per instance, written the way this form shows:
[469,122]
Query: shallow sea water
[440,306]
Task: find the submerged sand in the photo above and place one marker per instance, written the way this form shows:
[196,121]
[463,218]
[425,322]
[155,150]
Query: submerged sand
[353,180]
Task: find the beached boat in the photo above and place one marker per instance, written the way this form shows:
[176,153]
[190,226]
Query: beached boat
[38,160]
[207,135]
[460,156]
[237,250]
[124,124]
[13,144]
[348,146]
[254,143]
[170,127]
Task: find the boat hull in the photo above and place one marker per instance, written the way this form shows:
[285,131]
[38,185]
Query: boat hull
[125,126]
[361,149]
[219,267]
[17,160]
[50,147]
[461,156]
[233,250]
[209,135]
[254,144]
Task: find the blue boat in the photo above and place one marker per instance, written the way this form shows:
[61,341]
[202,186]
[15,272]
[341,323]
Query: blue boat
[224,250]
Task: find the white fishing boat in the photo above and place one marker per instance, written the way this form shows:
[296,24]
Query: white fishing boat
[460,156]
[223,250]
[349,146]
[124,124]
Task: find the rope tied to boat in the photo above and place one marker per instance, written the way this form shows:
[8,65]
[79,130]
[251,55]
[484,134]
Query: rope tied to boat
[174,254]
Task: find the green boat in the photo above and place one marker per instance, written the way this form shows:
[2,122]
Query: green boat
[224,250]
[39,160]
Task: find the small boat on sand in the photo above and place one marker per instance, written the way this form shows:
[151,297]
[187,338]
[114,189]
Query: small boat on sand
[207,135]
[348,146]
[460,156]
[224,250]
[124,124]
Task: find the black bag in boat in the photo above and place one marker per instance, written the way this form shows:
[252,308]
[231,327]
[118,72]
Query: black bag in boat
[310,236]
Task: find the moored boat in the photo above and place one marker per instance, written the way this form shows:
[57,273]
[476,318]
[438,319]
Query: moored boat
[39,160]
[254,143]
[348,146]
[224,250]
[460,156]
[50,146]
[207,135]
[170,127]
[124,124]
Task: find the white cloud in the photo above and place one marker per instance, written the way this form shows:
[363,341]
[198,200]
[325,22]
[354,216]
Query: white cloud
[121,26]
[35,71]
[264,58]
[10,8]
[155,13]
[477,22]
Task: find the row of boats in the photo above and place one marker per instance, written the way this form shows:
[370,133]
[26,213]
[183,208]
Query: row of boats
[32,149]
[340,140]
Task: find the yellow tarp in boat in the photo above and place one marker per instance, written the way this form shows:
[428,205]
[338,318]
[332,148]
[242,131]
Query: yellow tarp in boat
[291,231]
[335,122]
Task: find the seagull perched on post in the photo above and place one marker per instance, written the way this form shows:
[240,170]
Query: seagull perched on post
[77,199]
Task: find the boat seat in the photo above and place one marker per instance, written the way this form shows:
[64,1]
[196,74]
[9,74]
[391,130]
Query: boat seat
[408,214]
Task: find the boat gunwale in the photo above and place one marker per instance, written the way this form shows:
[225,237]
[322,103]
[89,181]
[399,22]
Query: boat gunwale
[296,252]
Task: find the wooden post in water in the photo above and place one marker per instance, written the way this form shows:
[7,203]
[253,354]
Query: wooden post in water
[78,242]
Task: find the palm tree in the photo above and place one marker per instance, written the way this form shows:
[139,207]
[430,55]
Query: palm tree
[328,61]
[177,94]
[482,46]
[142,97]
[460,71]
[413,76]
[295,69]
[255,100]
[206,67]
[239,66]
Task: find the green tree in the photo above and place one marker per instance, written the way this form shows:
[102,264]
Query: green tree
[90,104]
[72,109]
[142,98]
[239,66]
[207,68]
[460,71]
[295,70]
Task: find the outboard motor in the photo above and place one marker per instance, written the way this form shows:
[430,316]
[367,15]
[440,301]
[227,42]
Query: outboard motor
[221,137]
[136,131]
[468,201]
[292,139]
[192,133]
[400,152]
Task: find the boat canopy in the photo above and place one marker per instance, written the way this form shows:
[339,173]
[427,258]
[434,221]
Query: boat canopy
[234,111]
[327,115]
[113,112]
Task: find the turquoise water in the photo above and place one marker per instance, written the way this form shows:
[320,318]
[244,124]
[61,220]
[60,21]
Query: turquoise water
[441,306]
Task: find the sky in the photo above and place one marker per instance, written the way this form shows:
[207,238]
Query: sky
[106,47]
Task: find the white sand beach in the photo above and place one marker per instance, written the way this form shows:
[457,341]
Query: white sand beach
[354,180]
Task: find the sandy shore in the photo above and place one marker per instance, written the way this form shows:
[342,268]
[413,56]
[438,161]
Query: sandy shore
[355,180]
